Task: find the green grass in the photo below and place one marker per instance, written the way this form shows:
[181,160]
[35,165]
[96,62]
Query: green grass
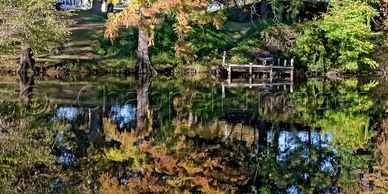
[86,41]
[237,26]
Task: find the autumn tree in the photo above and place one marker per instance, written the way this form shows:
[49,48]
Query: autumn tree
[146,15]
[31,26]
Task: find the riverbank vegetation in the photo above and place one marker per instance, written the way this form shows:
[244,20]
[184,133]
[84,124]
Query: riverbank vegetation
[339,35]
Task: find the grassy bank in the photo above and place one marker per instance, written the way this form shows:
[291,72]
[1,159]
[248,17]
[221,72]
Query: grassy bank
[87,51]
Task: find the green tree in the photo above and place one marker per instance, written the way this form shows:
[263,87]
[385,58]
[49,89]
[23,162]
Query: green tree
[31,25]
[342,39]
[148,15]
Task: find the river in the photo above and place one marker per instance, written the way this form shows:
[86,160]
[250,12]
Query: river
[116,134]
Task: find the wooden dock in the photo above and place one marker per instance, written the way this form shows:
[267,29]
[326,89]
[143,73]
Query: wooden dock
[273,68]
[269,65]
[280,86]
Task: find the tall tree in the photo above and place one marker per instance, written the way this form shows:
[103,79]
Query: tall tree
[145,15]
[32,26]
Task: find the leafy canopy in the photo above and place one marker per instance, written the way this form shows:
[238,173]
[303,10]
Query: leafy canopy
[342,38]
[32,22]
[149,14]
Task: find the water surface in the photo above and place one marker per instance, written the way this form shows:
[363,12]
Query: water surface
[192,134]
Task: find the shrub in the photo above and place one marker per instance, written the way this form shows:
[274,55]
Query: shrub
[341,39]
[279,37]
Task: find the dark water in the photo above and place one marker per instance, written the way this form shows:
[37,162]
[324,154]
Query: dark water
[192,134]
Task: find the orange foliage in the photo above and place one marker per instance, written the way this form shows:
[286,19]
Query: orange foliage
[181,143]
[187,167]
[110,185]
[141,13]
[146,184]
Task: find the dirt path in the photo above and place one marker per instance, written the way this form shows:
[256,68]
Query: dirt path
[82,45]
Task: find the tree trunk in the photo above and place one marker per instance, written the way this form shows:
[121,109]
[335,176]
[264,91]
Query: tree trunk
[110,8]
[97,5]
[26,86]
[264,9]
[143,84]
[26,60]
[94,123]
[143,56]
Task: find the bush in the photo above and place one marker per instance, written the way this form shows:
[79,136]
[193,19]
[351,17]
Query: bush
[209,42]
[340,40]
[278,38]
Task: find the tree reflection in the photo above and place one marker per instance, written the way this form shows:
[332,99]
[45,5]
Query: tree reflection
[142,87]
[26,86]
[25,158]
[325,144]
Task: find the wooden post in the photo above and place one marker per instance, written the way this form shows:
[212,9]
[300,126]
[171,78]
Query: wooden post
[292,70]
[278,61]
[285,63]
[224,58]
[271,73]
[229,74]
[223,90]
[250,75]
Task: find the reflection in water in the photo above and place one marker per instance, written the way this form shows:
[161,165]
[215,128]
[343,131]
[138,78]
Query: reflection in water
[143,84]
[290,141]
[123,115]
[202,141]
[66,158]
[26,86]
[69,113]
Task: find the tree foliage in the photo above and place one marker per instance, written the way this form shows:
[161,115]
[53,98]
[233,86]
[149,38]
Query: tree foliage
[32,22]
[149,15]
[342,38]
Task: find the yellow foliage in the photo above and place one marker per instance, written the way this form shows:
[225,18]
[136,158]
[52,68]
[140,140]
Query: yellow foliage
[110,129]
[117,155]
[128,148]
[145,14]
